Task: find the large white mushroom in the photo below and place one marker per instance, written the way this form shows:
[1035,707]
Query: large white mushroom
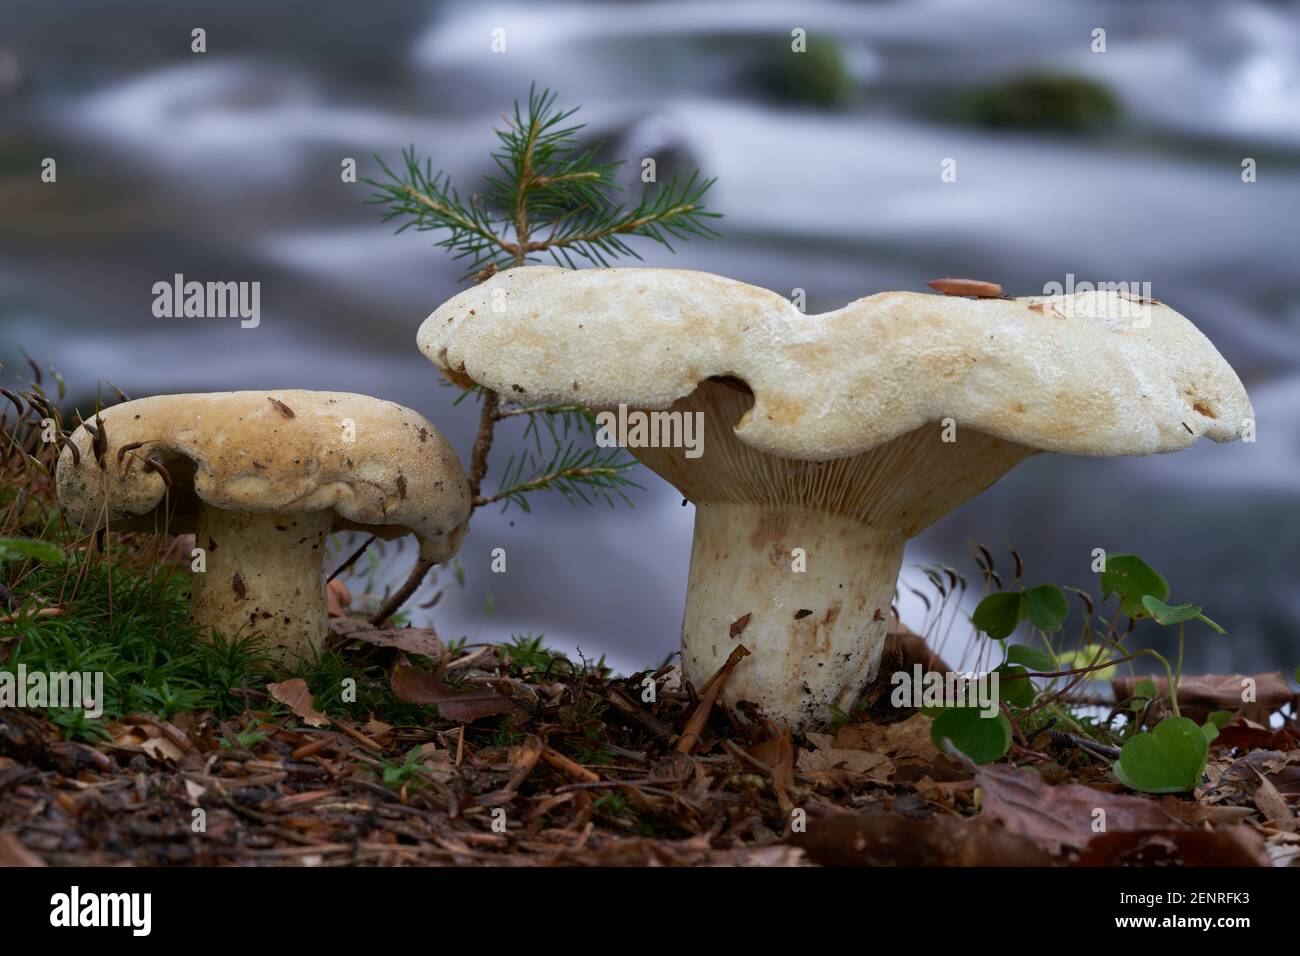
[829,440]
[262,478]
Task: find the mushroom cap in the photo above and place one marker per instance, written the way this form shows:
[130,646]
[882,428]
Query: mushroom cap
[1090,373]
[279,452]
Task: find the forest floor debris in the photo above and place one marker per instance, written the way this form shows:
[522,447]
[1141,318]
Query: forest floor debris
[526,759]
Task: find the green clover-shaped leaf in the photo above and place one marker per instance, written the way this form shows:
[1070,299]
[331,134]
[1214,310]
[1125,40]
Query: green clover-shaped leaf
[998,614]
[1020,692]
[1169,759]
[1169,614]
[1044,662]
[1146,689]
[1132,579]
[983,739]
[1047,607]
[1143,694]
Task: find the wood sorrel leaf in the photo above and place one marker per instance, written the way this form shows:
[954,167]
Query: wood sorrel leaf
[1047,607]
[1169,759]
[1145,689]
[1036,660]
[998,614]
[1220,718]
[1020,692]
[983,739]
[1132,579]
[1168,614]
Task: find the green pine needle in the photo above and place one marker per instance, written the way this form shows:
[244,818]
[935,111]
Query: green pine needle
[585,474]
[546,196]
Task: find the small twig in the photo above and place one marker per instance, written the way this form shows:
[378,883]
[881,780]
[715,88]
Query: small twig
[662,731]
[482,445]
[352,559]
[1061,738]
[42,613]
[708,694]
[613,784]
[399,597]
[567,766]
[470,658]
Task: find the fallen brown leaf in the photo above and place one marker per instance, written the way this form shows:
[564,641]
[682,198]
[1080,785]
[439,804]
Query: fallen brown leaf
[886,839]
[161,748]
[1197,813]
[380,732]
[414,640]
[907,739]
[904,647]
[1198,695]
[708,694]
[1281,769]
[827,756]
[1063,816]
[1247,736]
[461,704]
[13,853]
[296,695]
[1225,846]
[1273,806]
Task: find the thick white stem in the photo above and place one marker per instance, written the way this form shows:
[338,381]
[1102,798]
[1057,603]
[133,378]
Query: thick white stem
[815,635]
[265,574]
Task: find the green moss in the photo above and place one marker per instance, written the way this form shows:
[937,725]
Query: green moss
[817,77]
[131,623]
[133,627]
[1040,101]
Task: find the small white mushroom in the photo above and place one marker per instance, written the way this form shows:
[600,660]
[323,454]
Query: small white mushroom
[831,439]
[262,478]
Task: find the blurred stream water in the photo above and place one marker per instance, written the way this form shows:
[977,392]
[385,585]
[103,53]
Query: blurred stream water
[226,166]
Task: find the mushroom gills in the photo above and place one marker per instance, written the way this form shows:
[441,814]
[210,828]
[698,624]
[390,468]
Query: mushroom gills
[264,574]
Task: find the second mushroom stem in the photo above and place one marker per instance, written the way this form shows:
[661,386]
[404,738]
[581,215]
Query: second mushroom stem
[263,572]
